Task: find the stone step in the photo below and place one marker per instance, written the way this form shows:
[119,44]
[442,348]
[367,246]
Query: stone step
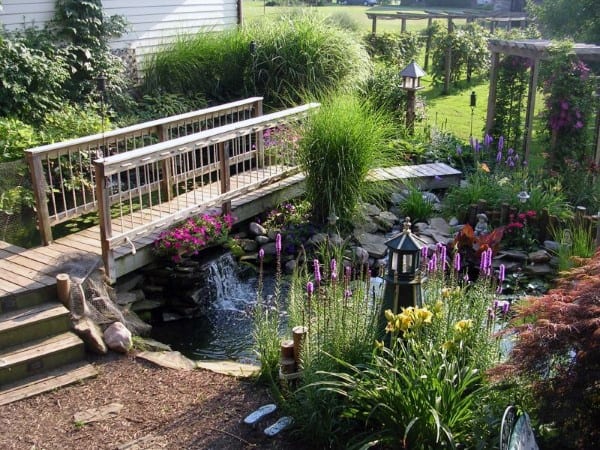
[54,379]
[39,356]
[35,322]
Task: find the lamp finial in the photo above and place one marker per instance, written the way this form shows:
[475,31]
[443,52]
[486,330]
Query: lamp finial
[406,225]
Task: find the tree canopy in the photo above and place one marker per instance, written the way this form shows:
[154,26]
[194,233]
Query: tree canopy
[578,20]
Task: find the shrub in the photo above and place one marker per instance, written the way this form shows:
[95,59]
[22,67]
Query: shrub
[383,90]
[341,142]
[15,137]
[191,237]
[72,121]
[393,49]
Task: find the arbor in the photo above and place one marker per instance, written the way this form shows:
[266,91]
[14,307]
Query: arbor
[575,19]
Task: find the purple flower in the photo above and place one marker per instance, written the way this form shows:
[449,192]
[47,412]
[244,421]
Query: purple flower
[501,143]
[333,265]
[456,262]
[579,124]
[317,271]
[458,150]
[499,156]
[310,288]
[278,243]
[510,151]
[501,273]
[424,251]
[487,140]
[261,254]
[564,105]
[433,263]
[348,272]
[347,293]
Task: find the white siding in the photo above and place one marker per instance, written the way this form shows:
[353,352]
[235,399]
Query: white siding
[151,23]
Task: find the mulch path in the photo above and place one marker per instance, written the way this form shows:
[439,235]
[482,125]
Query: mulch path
[162,408]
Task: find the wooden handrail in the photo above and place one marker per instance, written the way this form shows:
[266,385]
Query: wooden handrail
[62,173]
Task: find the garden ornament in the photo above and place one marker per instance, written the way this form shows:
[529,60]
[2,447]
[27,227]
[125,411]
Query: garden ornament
[481,229]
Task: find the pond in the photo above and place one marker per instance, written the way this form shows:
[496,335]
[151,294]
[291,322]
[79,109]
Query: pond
[226,333]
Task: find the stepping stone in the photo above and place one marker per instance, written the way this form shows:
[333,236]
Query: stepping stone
[279,426]
[256,416]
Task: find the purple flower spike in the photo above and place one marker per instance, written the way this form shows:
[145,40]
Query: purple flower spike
[424,251]
[333,266]
[443,256]
[317,270]
[458,150]
[501,143]
[433,263]
[499,156]
[278,243]
[347,293]
[310,288]
[457,261]
[472,142]
[348,272]
[488,140]
[261,254]
[502,273]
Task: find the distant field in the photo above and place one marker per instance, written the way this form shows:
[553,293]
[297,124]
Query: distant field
[256,9]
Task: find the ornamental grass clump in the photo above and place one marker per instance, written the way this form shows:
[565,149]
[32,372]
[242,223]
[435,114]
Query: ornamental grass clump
[192,236]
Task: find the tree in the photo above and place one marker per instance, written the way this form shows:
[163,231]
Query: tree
[573,19]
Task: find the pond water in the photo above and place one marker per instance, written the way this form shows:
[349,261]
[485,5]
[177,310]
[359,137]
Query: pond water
[227,331]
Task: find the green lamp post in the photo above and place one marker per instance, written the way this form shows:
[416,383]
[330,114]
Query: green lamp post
[403,278]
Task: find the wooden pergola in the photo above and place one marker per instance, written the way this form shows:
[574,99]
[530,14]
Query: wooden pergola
[494,18]
[536,51]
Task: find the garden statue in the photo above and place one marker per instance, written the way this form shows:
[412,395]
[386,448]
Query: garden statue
[481,229]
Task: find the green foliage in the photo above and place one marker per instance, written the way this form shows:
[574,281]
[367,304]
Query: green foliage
[511,95]
[383,90]
[416,205]
[85,32]
[567,19]
[570,106]
[15,137]
[393,49]
[31,81]
[161,104]
[344,21]
[341,142]
[576,242]
[470,55]
[294,57]
[72,121]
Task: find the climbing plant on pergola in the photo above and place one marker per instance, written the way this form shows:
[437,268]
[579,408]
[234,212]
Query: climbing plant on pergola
[536,51]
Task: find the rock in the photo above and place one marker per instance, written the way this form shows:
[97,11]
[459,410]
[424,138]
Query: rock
[171,316]
[318,239]
[231,368]
[552,246]
[515,255]
[253,257]
[386,220]
[130,283]
[91,334]
[149,344]
[272,234]
[397,197]
[97,414]
[290,266]
[269,249]
[336,240]
[440,226]
[366,225]
[257,229]
[146,305]
[118,338]
[509,266]
[539,256]
[431,197]
[170,360]
[539,270]
[262,240]
[371,210]
[361,255]
[248,245]
[148,441]
[420,227]
[374,244]
[453,222]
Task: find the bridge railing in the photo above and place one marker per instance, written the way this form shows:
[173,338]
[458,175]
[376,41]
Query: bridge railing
[63,176]
[145,190]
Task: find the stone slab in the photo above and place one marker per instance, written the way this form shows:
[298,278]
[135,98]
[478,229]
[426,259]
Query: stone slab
[231,368]
[170,360]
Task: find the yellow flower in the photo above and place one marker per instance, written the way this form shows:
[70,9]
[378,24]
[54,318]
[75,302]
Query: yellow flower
[448,345]
[425,315]
[379,345]
[463,326]
[438,307]
[445,292]
[389,315]
[485,167]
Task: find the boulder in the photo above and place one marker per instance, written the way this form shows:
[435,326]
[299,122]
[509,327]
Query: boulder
[170,360]
[257,229]
[361,255]
[366,225]
[552,246]
[440,226]
[118,338]
[248,245]
[539,256]
[336,240]
[515,255]
[386,220]
[539,270]
[91,334]
[371,210]
[262,240]
[290,266]
[374,244]
[318,239]
[269,249]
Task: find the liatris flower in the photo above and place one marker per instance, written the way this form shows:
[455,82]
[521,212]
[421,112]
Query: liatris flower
[433,263]
[443,256]
[310,288]
[348,272]
[456,262]
[487,140]
[278,243]
[317,271]
[333,266]
[261,254]
[501,143]
[501,276]
[499,156]
[458,150]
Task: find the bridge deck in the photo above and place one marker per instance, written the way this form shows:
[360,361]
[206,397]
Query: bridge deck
[24,270]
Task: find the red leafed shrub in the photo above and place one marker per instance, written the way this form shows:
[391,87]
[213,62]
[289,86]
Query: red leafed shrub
[557,354]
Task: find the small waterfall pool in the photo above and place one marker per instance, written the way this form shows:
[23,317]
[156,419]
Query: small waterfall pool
[226,333]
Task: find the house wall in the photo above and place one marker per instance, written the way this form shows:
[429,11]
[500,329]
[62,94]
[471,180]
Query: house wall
[151,23]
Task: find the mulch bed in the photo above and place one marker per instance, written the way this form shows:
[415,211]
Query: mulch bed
[162,408]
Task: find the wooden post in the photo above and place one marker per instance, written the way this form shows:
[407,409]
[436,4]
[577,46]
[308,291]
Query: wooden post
[533,79]
[504,213]
[448,63]
[472,215]
[165,165]
[38,182]
[103,199]
[491,108]
[403,27]
[299,334]
[287,361]
[224,169]
[544,224]
[374,24]
[63,289]
[428,44]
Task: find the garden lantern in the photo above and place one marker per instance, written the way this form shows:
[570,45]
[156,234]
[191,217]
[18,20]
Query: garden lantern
[411,82]
[403,278]
[473,104]
[523,196]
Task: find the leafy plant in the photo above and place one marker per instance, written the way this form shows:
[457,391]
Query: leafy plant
[576,244]
[393,49]
[416,205]
[73,121]
[341,142]
[15,137]
[194,235]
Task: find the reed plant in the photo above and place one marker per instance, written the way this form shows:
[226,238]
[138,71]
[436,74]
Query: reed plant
[340,143]
[576,243]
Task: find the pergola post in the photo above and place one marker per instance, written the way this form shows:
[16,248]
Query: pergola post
[403,26]
[533,80]
[448,65]
[491,108]
[374,24]
[428,44]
